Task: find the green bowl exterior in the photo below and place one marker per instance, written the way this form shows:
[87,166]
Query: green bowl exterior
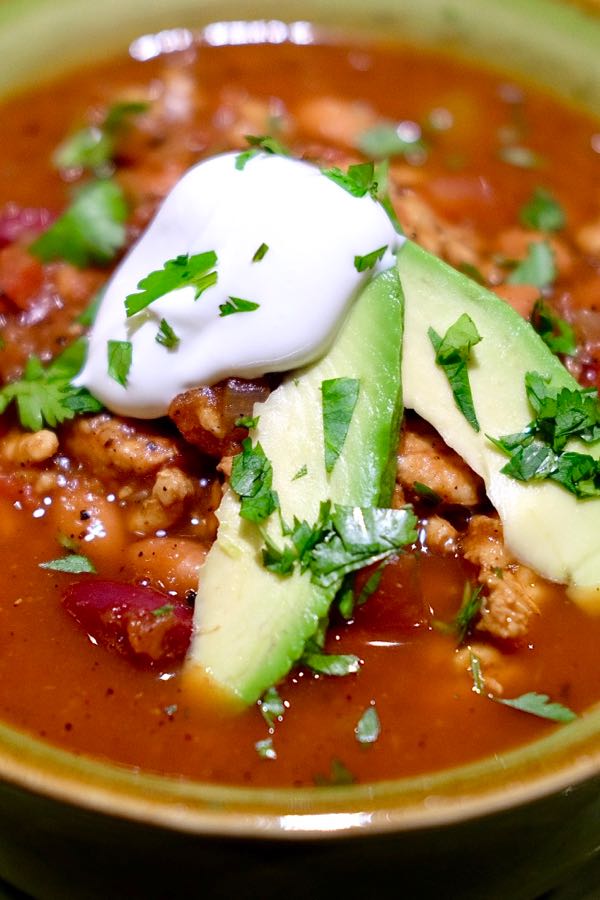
[512,826]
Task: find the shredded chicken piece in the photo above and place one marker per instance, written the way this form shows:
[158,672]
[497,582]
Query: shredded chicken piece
[112,446]
[514,590]
[455,243]
[440,535]
[26,449]
[492,660]
[424,457]
[336,121]
[588,237]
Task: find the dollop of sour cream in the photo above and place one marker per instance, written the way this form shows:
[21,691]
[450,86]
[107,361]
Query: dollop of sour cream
[302,284]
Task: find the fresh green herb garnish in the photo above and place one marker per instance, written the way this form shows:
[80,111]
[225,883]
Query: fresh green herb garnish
[74,563]
[266,749]
[271,706]
[359,180]
[533,703]
[452,354]
[542,212]
[368,727]
[538,267]
[166,336]
[93,147]
[45,396]
[260,253]
[92,230]
[88,316]
[260,143]
[470,608]
[334,664]
[163,610]
[556,333]
[339,397]
[302,471]
[120,357]
[195,271]
[362,263]
[537,453]
[426,493]
[339,775]
[247,421]
[385,140]
[252,479]
[237,305]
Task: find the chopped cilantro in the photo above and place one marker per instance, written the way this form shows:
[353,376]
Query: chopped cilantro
[252,479]
[163,610]
[93,147]
[120,356]
[91,230]
[195,271]
[73,563]
[362,263]
[166,336]
[538,267]
[260,253]
[542,212]
[368,727]
[359,180]
[339,775]
[386,140]
[237,305]
[88,316]
[556,333]
[452,354]
[334,664]
[339,397]
[302,471]
[45,396]
[265,748]
[271,706]
[470,608]
[533,703]
[260,143]
[247,421]
[426,493]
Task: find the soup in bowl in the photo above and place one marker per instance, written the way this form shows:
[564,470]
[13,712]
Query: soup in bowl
[298,449]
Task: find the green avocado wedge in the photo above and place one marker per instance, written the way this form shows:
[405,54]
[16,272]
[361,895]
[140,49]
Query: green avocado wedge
[250,624]
[545,526]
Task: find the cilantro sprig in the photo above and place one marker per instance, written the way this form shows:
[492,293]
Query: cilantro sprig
[538,452]
[91,230]
[556,333]
[252,480]
[339,398]
[45,395]
[534,704]
[237,305]
[452,354]
[94,146]
[537,268]
[264,143]
[542,212]
[359,180]
[197,271]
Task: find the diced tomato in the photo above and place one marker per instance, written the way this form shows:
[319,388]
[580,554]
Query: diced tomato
[21,276]
[151,628]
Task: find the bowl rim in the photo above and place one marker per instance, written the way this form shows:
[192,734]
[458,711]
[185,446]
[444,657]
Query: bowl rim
[558,762]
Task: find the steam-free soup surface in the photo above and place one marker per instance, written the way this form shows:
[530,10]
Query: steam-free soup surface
[477,148]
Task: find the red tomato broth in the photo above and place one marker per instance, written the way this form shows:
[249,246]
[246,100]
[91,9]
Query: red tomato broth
[95,702]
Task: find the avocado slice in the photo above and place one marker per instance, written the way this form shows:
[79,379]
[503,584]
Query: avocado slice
[545,527]
[251,625]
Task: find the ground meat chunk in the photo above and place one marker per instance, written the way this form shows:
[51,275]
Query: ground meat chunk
[206,416]
[112,447]
[424,457]
[514,590]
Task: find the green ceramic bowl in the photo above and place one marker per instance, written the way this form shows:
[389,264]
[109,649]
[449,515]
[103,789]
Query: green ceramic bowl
[513,826]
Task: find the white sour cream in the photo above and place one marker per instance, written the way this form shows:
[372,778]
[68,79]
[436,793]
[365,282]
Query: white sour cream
[304,283]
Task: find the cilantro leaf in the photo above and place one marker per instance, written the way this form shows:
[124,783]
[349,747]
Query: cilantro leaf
[452,354]
[91,230]
[301,473]
[237,305]
[265,748]
[368,727]
[556,333]
[362,263]
[74,563]
[542,212]
[265,143]
[271,706]
[120,357]
[93,147]
[538,267]
[339,397]
[195,271]
[540,705]
[470,608]
[252,479]
[246,421]
[359,180]
[166,336]
[45,396]
[260,253]
[386,140]
[520,156]
[336,664]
